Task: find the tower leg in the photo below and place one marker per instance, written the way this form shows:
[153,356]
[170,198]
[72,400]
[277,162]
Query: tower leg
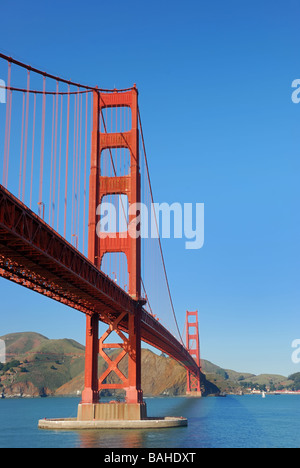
[134,392]
[90,394]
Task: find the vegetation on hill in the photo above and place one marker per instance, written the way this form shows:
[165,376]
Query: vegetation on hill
[295,378]
[38,366]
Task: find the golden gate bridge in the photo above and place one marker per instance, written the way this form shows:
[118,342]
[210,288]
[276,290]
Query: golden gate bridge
[66,150]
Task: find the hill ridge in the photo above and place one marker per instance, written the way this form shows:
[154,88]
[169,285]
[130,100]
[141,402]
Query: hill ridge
[56,367]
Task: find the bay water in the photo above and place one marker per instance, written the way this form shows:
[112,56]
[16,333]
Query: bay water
[248,421]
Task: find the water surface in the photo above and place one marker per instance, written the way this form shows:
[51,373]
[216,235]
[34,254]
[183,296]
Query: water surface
[238,422]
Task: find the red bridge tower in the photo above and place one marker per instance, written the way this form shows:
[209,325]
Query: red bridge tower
[130,245]
[193,346]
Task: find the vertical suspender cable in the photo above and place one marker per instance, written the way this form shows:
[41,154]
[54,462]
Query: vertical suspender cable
[55,154]
[76,169]
[7,128]
[59,162]
[74,163]
[26,135]
[21,149]
[32,152]
[85,163]
[51,169]
[67,162]
[42,142]
[79,170]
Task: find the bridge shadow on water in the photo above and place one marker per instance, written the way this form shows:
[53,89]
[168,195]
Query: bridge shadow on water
[213,423]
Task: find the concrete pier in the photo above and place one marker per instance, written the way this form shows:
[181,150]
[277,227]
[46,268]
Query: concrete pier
[112,411]
[194,394]
[74,424]
[112,415]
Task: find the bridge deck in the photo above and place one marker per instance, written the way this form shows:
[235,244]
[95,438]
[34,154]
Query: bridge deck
[34,255]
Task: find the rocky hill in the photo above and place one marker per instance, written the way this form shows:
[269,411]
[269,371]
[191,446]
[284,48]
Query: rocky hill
[38,366]
[230,381]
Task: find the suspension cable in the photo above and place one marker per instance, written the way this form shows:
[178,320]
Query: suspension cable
[159,240]
[56,78]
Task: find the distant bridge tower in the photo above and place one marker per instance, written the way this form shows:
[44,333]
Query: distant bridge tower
[193,347]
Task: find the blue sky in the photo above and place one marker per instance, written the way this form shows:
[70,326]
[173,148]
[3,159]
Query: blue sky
[215,97]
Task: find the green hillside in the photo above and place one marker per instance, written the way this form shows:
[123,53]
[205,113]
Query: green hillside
[44,365]
[18,344]
[160,376]
[39,366]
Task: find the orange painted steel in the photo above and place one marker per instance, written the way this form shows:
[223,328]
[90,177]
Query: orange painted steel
[35,256]
[100,187]
[127,185]
[193,347]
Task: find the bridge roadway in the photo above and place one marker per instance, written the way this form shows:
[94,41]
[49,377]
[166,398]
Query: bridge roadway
[35,256]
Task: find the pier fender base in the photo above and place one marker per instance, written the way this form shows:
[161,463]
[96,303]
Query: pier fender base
[113,411]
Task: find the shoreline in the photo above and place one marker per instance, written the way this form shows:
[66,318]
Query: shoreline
[31,397]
